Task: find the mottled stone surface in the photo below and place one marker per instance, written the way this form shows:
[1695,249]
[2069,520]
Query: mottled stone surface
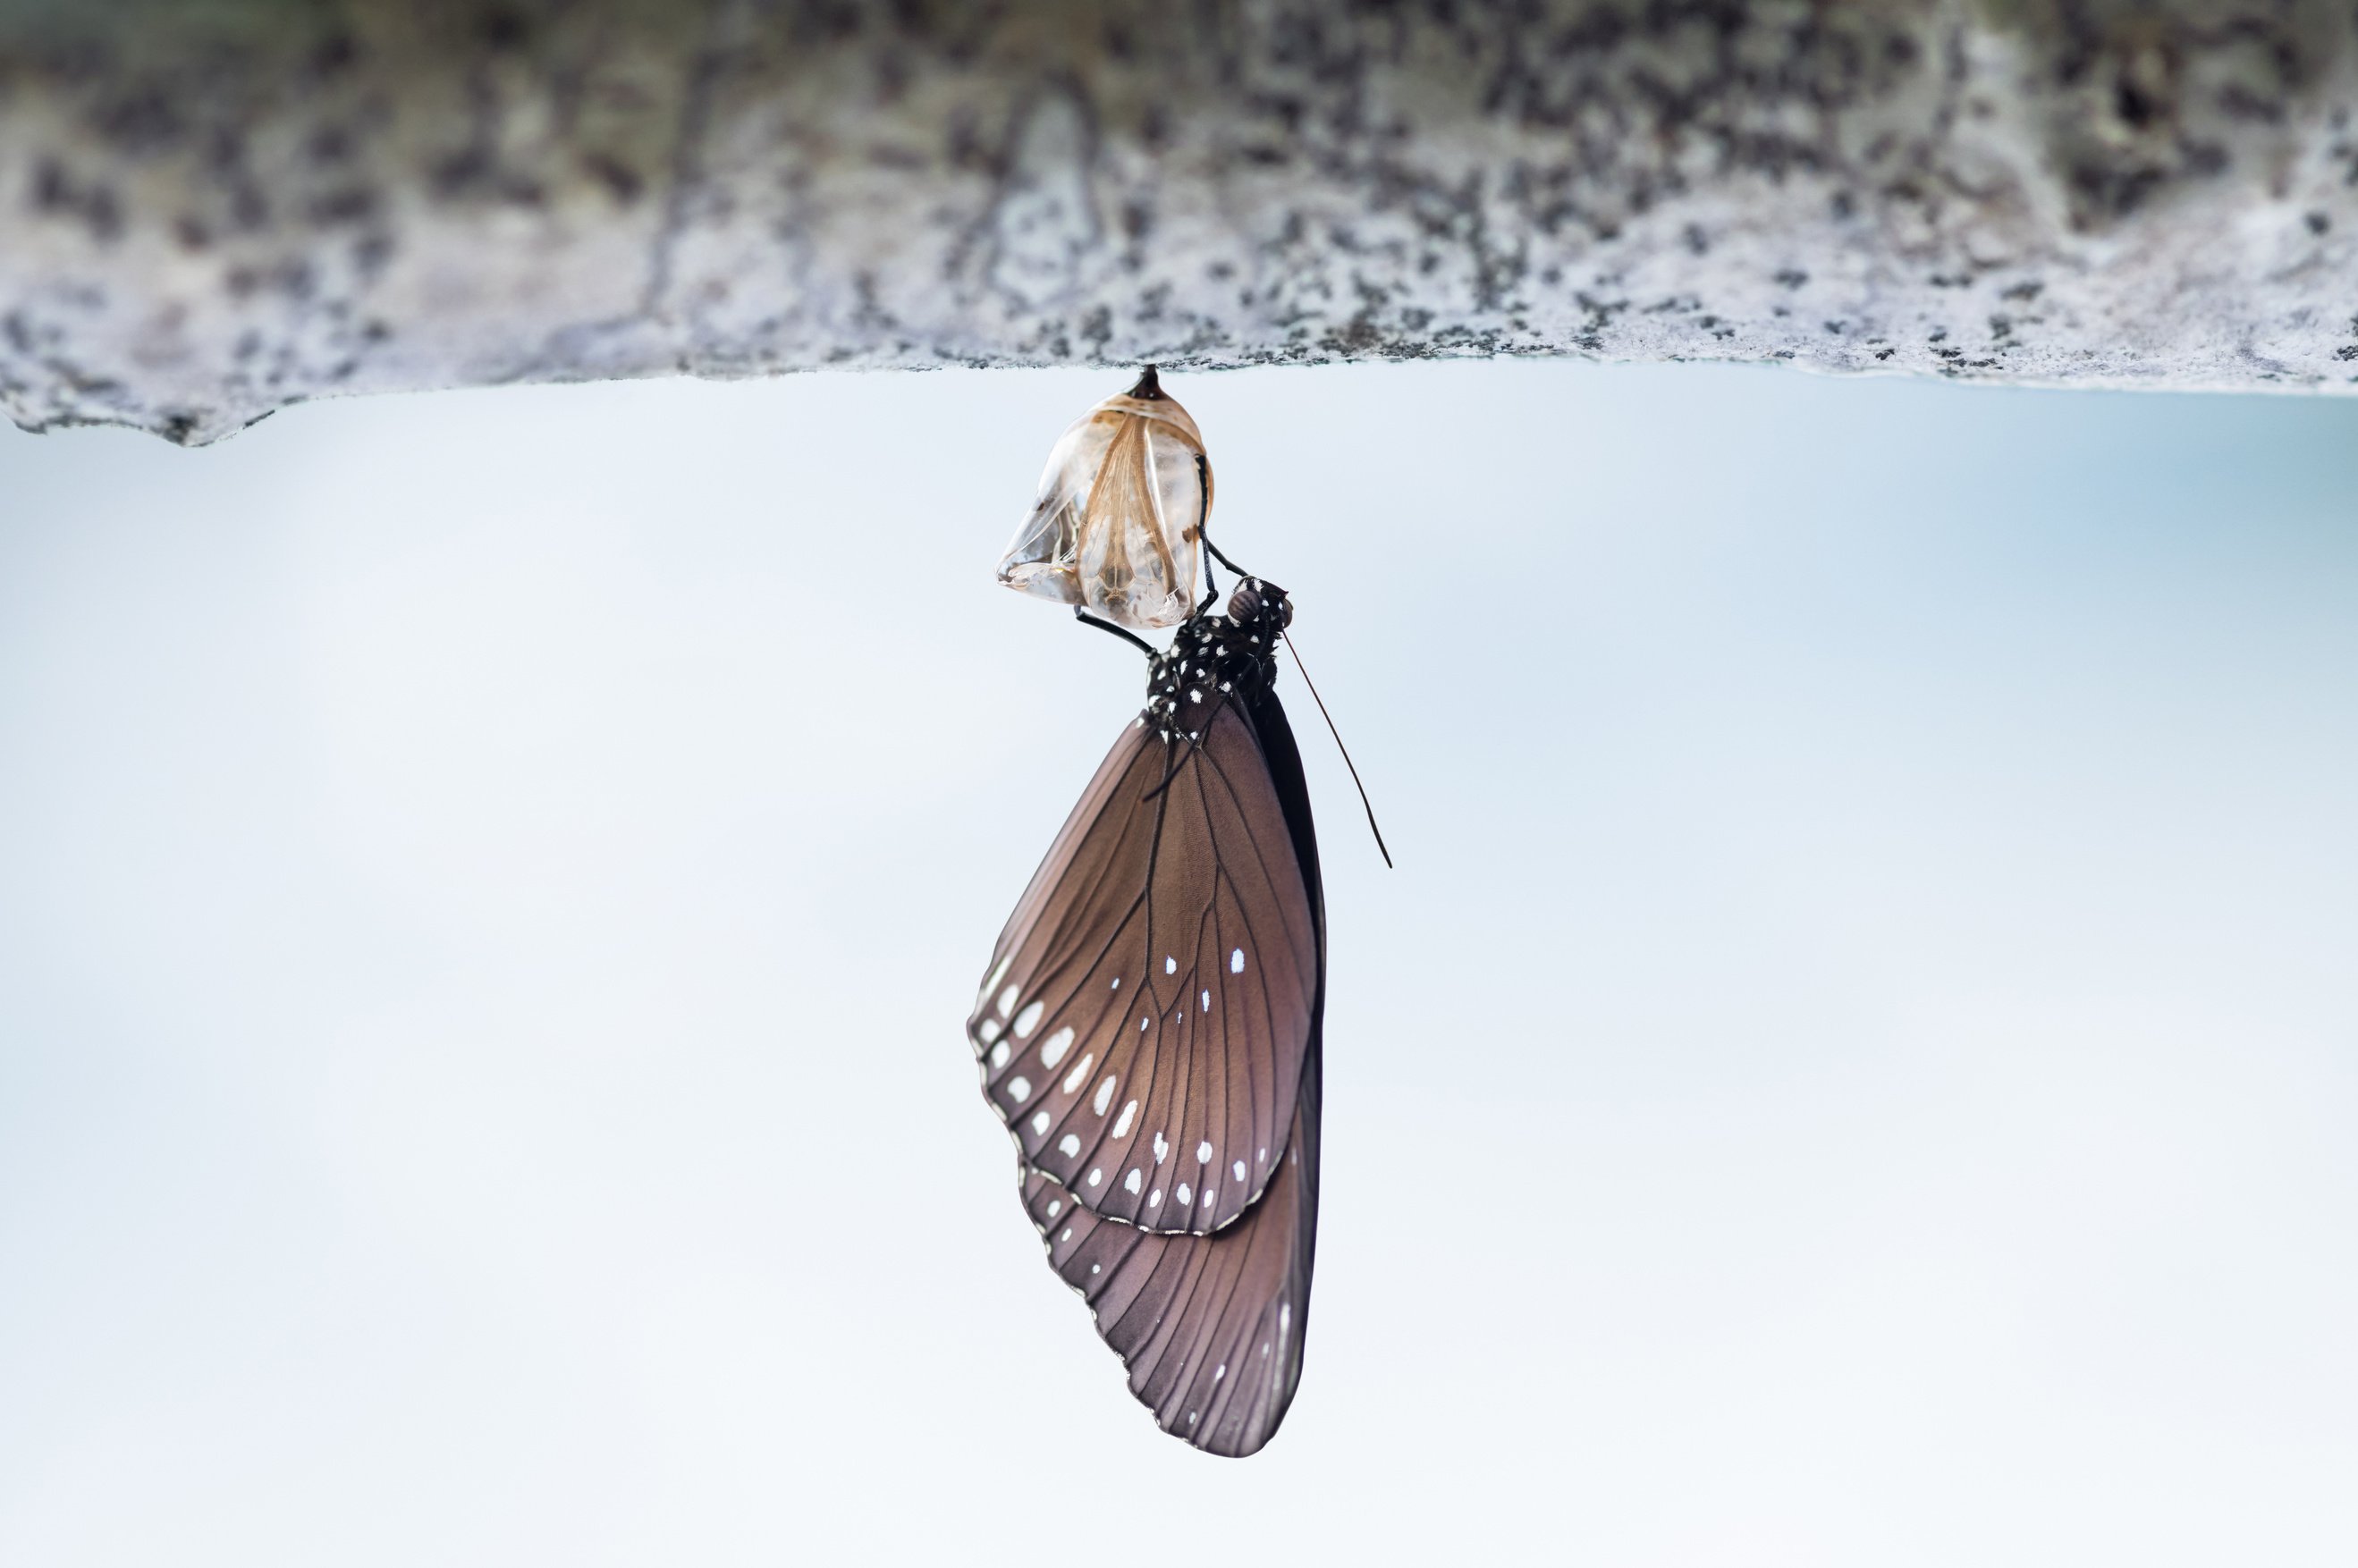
[209,211]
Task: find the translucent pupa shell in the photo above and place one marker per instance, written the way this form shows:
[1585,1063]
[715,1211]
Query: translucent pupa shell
[1119,527]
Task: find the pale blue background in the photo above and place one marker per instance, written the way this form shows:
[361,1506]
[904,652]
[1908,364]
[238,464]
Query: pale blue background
[1858,1063]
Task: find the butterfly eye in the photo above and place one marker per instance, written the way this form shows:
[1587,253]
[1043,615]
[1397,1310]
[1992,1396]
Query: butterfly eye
[1254,601]
[1118,526]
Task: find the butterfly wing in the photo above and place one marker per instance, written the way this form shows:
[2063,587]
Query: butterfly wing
[1211,1327]
[1150,1007]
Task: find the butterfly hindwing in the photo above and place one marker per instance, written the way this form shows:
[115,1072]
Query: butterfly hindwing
[1210,1327]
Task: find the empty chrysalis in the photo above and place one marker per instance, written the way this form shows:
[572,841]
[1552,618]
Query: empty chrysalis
[1119,527]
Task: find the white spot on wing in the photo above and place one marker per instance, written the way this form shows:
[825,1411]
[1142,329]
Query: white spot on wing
[1170,965]
[1079,1075]
[1121,1123]
[1240,1169]
[1040,1124]
[1207,1002]
[1130,1184]
[1007,1002]
[1161,1149]
[999,1054]
[1156,1201]
[1069,1144]
[1019,1088]
[1237,962]
[1096,1176]
[1203,1153]
[1183,1195]
[1053,1049]
[998,973]
[1055,1207]
[987,1029]
[1104,1097]
[1029,1019]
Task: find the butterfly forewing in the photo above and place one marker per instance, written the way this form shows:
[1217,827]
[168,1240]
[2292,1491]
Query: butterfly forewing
[1148,1010]
[1210,1327]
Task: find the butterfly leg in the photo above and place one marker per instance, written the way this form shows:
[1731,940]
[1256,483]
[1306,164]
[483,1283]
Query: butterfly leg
[1221,556]
[1132,638]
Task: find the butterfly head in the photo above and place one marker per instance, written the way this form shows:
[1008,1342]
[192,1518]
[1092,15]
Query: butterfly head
[1258,606]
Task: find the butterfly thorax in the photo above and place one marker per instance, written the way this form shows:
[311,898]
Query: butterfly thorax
[1217,657]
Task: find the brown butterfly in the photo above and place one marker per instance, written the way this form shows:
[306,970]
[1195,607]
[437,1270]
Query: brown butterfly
[1149,1031]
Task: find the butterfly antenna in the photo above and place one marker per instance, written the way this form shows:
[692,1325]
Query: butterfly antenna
[1321,701]
[1127,635]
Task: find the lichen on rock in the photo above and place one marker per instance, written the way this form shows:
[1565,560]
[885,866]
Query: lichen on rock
[214,212]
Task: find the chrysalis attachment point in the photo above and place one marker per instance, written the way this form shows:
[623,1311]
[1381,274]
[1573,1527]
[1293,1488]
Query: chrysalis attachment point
[1118,528]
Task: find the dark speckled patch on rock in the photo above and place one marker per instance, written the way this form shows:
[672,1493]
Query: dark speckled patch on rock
[214,212]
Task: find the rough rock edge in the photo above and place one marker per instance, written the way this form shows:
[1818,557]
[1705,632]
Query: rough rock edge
[213,212]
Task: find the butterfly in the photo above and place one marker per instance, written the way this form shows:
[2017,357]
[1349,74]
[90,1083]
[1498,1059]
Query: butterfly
[1149,1029]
